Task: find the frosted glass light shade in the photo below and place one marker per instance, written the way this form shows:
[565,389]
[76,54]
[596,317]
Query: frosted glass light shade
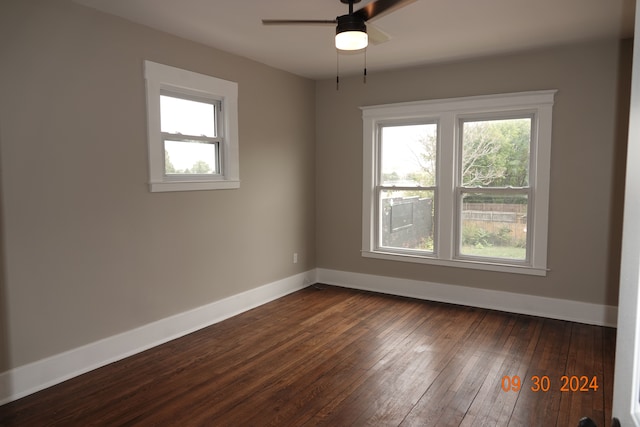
[352,40]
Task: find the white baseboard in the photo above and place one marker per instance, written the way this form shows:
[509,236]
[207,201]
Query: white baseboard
[574,311]
[28,379]
[36,376]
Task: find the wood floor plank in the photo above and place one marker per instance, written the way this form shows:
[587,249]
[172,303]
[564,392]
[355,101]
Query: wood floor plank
[540,408]
[584,360]
[448,399]
[493,405]
[404,377]
[371,400]
[303,380]
[341,357]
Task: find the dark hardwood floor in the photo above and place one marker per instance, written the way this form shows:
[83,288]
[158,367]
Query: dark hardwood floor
[339,357]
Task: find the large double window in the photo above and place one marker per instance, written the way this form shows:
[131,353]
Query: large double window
[459,182]
[192,130]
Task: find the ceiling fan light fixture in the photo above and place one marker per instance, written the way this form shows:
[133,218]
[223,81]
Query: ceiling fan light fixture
[351,33]
[352,40]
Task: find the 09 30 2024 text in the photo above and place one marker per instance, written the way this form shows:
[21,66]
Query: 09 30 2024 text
[543,383]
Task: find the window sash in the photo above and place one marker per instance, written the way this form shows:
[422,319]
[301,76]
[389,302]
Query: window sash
[493,117]
[217,165]
[379,220]
[461,189]
[186,95]
[217,139]
[504,192]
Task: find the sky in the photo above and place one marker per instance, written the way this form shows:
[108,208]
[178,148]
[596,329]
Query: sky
[402,146]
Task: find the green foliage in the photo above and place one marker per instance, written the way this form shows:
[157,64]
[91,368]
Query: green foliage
[503,236]
[426,243]
[495,199]
[390,177]
[508,252]
[479,237]
[476,240]
[496,153]
[427,162]
[168,166]
[199,167]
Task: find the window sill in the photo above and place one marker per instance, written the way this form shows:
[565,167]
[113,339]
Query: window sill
[476,265]
[158,187]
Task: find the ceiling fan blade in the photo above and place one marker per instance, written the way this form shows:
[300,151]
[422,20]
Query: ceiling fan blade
[376,35]
[381,7]
[299,22]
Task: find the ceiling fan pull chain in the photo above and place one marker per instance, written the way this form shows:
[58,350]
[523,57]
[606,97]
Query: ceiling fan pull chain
[364,77]
[337,69]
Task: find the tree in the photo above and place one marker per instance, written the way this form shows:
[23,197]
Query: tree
[390,177]
[168,166]
[426,160]
[200,167]
[496,153]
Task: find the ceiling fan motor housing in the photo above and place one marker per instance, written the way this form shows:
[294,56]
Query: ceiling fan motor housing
[351,33]
[350,23]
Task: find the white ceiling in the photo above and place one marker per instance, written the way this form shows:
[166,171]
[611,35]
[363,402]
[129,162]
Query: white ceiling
[426,31]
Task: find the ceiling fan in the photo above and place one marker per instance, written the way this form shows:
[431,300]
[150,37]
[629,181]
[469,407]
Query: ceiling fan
[351,29]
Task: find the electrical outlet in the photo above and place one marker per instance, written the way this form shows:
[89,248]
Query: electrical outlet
[295,257]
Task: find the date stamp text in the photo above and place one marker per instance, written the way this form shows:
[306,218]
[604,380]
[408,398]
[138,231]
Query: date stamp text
[543,383]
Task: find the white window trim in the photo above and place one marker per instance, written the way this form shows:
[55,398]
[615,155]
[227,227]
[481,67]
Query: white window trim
[160,78]
[447,112]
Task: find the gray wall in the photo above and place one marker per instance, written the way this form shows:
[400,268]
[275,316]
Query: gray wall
[89,251]
[589,136]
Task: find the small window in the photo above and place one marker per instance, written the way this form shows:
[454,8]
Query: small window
[193,126]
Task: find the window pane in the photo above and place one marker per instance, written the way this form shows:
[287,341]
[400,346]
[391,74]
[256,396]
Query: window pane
[187,117]
[190,157]
[408,155]
[494,226]
[407,220]
[495,153]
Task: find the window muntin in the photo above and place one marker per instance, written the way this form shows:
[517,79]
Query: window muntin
[454,194]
